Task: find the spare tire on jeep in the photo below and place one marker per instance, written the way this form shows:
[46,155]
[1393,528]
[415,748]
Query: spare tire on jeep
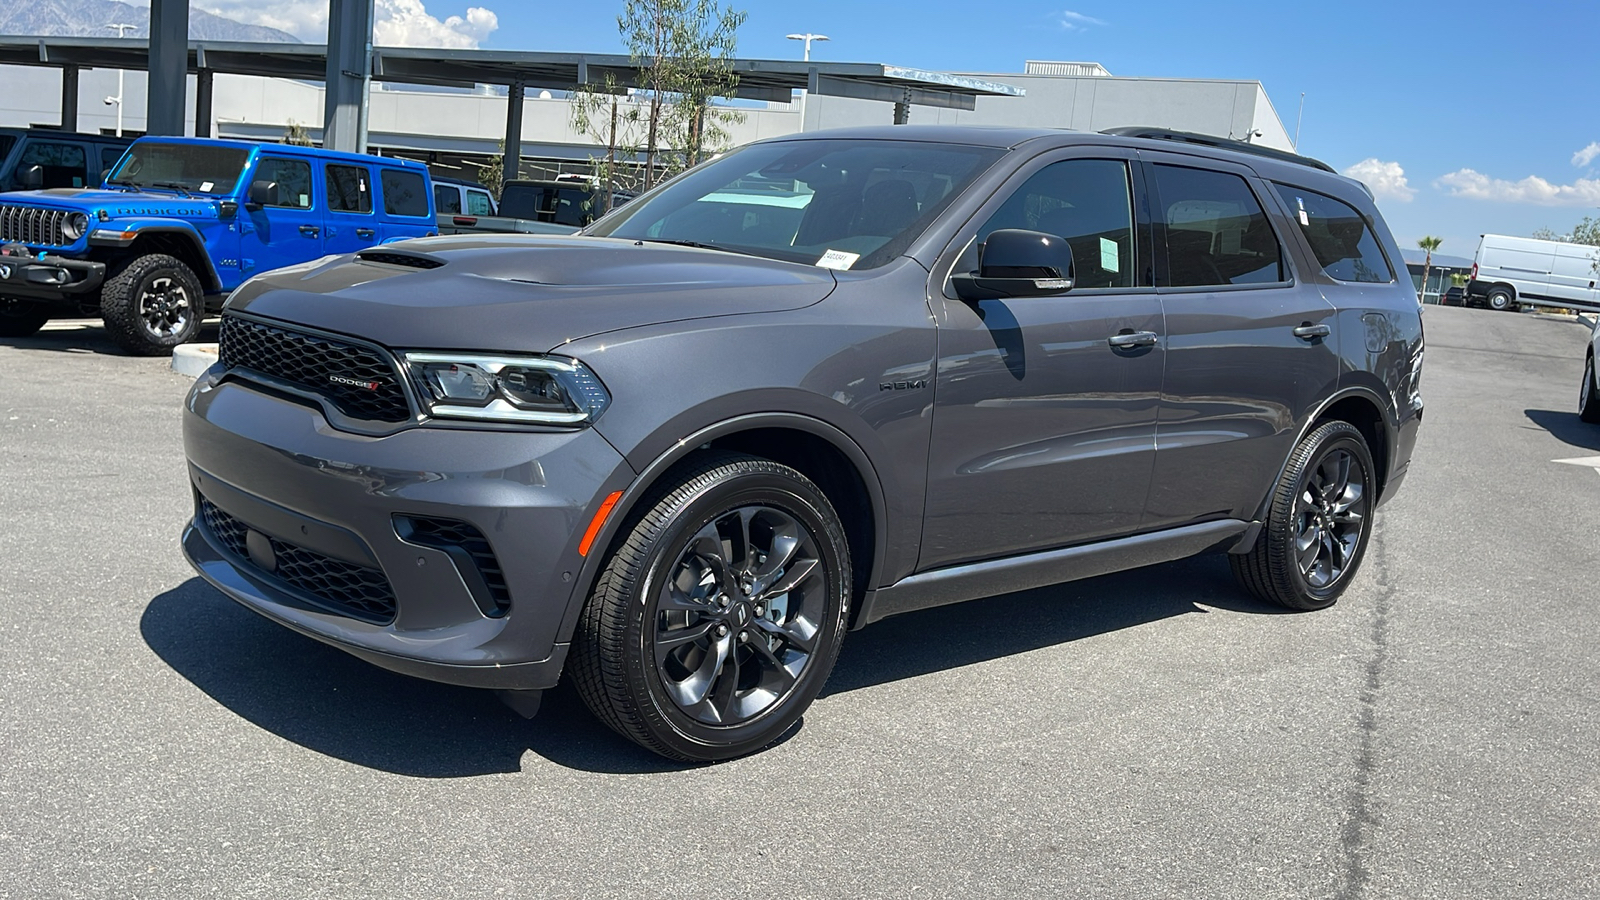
[152,305]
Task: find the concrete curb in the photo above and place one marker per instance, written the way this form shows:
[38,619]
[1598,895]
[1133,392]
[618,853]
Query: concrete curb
[193,359]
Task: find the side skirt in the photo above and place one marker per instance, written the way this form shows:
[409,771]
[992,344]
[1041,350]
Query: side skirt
[956,584]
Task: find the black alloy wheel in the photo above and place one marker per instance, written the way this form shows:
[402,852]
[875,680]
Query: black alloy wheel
[20,318]
[1589,394]
[1318,525]
[720,611]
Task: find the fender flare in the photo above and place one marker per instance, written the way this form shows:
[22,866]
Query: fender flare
[213,283]
[652,472]
[1390,426]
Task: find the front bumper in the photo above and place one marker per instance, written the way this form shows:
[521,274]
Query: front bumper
[51,278]
[279,468]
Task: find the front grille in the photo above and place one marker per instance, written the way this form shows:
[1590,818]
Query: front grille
[355,591]
[32,225]
[358,381]
[464,541]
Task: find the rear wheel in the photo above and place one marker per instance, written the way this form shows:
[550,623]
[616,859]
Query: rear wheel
[1318,526]
[154,304]
[717,619]
[20,318]
[1500,299]
[1589,394]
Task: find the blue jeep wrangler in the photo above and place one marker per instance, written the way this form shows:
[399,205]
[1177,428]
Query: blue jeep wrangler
[180,222]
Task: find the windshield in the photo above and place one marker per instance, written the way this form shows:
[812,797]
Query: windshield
[842,204]
[196,168]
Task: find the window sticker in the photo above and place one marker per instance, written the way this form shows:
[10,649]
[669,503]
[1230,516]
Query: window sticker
[1304,219]
[206,186]
[1108,256]
[838,259]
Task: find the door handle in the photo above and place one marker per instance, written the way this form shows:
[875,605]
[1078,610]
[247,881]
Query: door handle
[1309,331]
[1129,339]
[310,230]
[367,233]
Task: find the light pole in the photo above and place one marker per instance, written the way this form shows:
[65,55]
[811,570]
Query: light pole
[117,100]
[808,37]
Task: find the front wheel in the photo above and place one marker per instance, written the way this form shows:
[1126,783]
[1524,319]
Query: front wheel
[1318,525]
[20,318]
[154,304]
[1589,394]
[720,613]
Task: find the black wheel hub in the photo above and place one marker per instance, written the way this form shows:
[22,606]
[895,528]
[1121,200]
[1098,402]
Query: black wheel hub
[736,621]
[1330,515]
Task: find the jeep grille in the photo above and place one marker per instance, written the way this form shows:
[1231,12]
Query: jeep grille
[32,225]
[361,382]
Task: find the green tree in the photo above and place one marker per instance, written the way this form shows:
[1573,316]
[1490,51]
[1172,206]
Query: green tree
[296,135]
[1430,244]
[492,174]
[611,119]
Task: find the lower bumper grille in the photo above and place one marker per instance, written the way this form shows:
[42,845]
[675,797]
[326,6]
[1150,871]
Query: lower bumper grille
[345,588]
[470,551]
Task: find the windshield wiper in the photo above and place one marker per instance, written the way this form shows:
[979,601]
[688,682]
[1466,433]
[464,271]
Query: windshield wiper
[697,245]
[130,185]
[172,186]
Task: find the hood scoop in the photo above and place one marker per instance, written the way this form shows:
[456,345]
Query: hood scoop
[405,259]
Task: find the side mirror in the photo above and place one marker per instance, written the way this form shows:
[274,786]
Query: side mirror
[1018,263]
[262,193]
[31,178]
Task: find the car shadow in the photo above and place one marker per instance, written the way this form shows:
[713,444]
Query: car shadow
[88,336]
[1566,427]
[332,703]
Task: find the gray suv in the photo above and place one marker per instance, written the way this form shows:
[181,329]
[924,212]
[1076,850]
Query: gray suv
[818,381]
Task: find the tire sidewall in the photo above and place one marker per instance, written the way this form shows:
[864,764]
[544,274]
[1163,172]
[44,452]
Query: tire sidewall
[1500,295]
[811,510]
[119,302]
[1327,440]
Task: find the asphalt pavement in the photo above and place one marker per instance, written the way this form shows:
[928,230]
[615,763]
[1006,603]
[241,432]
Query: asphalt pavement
[1149,734]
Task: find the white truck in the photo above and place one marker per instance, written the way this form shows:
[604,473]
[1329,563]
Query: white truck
[1509,272]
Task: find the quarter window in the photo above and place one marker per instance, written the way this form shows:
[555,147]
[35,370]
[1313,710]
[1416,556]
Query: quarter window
[294,181]
[478,204]
[1217,233]
[1338,235]
[1085,201]
[404,193]
[349,189]
[64,165]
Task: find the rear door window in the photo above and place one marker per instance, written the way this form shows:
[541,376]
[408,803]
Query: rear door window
[349,189]
[64,165]
[446,199]
[404,193]
[1217,233]
[1338,235]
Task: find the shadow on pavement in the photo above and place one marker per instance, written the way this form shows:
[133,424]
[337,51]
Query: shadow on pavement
[88,336]
[1566,427]
[328,701]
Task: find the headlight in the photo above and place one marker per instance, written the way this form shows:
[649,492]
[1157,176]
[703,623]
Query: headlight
[542,390]
[74,227]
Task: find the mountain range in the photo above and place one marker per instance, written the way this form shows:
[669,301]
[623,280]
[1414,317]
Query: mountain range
[89,18]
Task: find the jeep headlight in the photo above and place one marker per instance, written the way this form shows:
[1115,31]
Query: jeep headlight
[538,390]
[74,226]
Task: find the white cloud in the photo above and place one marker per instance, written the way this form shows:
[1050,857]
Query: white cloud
[1386,179]
[1532,190]
[1586,155]
[1076,21]
[397,23]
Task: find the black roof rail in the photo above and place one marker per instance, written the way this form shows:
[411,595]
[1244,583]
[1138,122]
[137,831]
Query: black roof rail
[1211,140]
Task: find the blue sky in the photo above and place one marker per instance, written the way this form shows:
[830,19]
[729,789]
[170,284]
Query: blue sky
[1465,101]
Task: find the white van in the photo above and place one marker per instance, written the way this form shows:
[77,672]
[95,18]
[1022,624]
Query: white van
[1510,271]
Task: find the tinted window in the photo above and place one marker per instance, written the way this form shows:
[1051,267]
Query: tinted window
[6,143]
[294,181]
[478,204]
[206,168]
[1338,235]
[404,193]
[65,165]
[848,204]
[1086,201]
[109,157]
[446,199]
[1216,231]
[349,189]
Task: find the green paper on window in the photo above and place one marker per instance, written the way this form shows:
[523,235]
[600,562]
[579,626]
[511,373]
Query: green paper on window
[1108,256]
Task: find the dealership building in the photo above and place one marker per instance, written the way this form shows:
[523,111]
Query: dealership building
[457,129]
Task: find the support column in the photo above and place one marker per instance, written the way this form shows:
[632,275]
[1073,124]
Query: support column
[69,98]
[349,75]
[902,109]
[202,103]
[515,97]
[169,67]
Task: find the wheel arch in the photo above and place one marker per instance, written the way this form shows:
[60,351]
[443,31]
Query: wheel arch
[183,244]
[1363,407]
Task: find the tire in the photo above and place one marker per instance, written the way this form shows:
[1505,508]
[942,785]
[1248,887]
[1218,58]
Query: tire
[20,318]
[1500,300]
[673,618]
[152,305]
[1589,394]
[1309,503]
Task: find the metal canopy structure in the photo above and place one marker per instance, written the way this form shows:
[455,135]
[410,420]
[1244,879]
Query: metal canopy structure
[759,79]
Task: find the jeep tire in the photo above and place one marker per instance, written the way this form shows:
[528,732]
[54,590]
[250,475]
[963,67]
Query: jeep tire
[720,611]
[152,305]
[20,318]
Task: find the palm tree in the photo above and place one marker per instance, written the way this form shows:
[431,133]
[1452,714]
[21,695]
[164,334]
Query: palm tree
[1430,244]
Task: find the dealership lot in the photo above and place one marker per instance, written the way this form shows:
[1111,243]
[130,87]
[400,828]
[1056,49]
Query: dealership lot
[1155,733]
